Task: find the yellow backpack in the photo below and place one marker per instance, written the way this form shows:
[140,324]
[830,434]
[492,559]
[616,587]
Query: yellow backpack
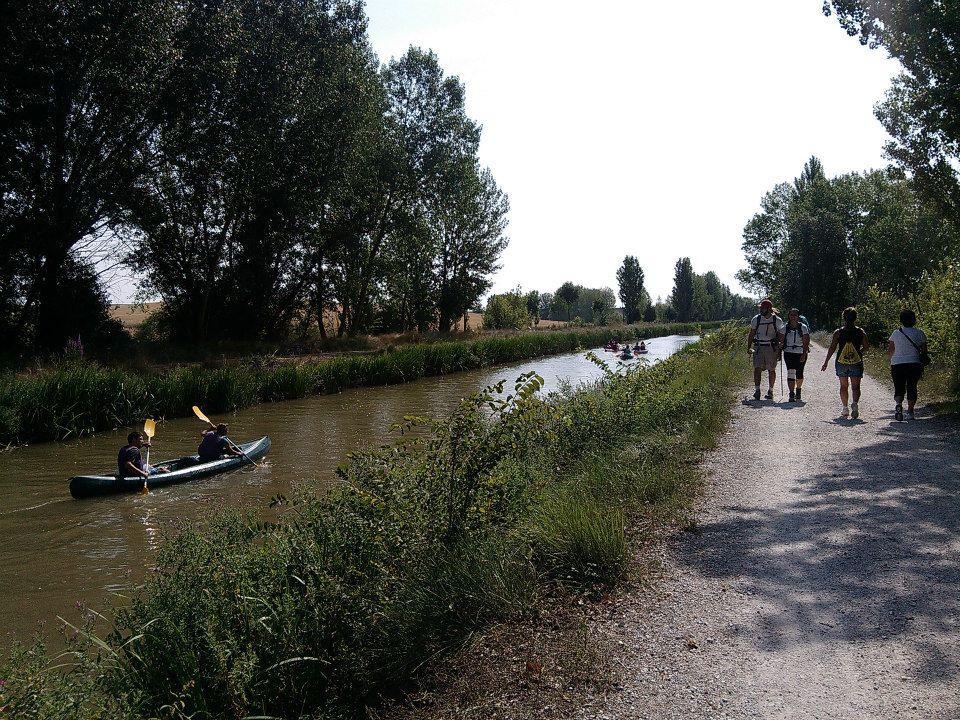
[849,353]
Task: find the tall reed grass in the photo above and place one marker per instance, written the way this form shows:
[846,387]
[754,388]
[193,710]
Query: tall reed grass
[79,398]
[339,603]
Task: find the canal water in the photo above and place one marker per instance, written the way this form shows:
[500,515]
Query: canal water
[56,551]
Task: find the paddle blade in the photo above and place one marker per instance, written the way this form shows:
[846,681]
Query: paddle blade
[149,427]
[144,490]
[199,414]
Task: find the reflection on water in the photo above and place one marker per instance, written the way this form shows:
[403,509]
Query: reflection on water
[55,550]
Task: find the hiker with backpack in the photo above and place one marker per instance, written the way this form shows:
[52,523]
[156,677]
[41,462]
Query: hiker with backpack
[907,350]
[796,349]
[764,340]
[852,342]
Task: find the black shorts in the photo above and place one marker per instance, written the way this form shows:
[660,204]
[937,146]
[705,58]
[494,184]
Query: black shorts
[905,378]
[794,361]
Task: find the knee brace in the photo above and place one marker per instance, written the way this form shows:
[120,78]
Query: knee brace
[791,374]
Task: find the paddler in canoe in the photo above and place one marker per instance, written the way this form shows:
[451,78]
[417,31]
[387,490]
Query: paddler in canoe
[130,462]
[215,444]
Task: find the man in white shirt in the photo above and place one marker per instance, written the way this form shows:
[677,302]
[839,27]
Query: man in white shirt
[765,340]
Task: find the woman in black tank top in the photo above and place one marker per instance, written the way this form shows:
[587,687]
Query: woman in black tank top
[849,342]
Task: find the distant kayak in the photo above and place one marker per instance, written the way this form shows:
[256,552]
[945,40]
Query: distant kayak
[181,470]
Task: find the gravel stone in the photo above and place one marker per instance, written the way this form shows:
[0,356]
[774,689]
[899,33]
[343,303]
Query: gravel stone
[821,580]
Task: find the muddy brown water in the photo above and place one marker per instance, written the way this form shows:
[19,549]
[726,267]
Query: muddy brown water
[56,552]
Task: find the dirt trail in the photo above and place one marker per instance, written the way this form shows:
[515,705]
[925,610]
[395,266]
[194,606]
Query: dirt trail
[821,580]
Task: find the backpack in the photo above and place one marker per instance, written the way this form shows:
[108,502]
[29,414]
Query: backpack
[797,341]
[759,320]
[850,353]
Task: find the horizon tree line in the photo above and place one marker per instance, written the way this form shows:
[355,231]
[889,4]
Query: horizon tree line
[694,297]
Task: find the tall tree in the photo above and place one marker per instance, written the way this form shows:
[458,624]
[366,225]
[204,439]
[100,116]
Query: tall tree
[247,166]
[683,290]
[448,195]
[922,109]
[632,293]
[566,296]
[763,239]
[532,299]
[471,233]
[79,90]
[815,276]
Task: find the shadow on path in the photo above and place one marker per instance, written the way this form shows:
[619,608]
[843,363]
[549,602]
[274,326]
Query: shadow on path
[866,550]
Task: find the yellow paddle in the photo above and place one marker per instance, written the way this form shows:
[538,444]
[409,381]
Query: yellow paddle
[199,413]
[149,429]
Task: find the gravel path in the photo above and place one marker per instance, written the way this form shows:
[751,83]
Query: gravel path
[821,580]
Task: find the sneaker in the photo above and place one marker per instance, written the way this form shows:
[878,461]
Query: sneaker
[798,394]
[845,413]
[898,413]
[756,394]
[910,415]
[854,411]
[793,397]
[769,395]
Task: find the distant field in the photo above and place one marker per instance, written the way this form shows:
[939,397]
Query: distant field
[133,315]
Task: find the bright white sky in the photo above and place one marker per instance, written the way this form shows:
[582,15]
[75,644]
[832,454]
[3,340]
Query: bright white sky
[642,127]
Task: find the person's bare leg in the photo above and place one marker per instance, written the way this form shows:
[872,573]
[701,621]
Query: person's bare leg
[772,376]
[757,376]
[844,391]
[855,381]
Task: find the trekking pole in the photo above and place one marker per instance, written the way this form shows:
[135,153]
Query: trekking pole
[781,375]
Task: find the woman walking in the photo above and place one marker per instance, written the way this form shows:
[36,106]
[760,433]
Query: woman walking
[905,348]
[796,348]
[852,342]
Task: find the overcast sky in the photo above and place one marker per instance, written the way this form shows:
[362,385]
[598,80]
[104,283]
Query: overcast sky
[642,127]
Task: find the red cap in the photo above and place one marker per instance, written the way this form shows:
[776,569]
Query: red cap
[764,304]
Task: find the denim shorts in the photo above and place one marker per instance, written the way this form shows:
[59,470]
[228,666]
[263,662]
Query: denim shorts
[849,371]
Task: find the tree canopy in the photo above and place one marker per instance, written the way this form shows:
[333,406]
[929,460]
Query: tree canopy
[253,163]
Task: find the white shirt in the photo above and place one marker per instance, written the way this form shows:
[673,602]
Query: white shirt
[903,351]
[767,328]
[793,338]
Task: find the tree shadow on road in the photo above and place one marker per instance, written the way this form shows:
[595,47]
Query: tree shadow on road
[866,550]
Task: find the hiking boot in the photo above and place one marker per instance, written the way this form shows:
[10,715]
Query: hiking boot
[793,397]
[756,394]
[910,415]
[845,413]
[898,413]
[769,395]
[854,411]
[798,393]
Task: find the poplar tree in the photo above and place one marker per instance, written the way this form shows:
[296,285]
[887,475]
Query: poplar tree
[683,290]
[632,293]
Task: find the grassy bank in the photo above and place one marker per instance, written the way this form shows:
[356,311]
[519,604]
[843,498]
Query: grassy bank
[338,605]
[78,398]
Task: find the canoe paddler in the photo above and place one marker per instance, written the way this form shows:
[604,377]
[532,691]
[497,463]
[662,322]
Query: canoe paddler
[215,444]
[130,461]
